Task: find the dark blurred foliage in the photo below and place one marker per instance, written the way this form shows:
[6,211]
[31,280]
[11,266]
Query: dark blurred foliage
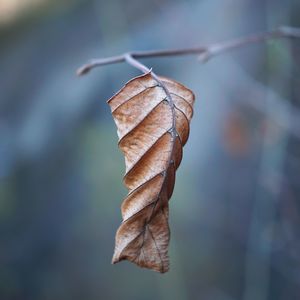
[235,212]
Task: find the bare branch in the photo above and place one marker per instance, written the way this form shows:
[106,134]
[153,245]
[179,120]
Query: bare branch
[220,48]
[100,62]
[204,53]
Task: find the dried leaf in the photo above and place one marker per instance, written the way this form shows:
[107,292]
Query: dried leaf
[153,126]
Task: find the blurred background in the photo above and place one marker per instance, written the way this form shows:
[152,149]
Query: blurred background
[235,211]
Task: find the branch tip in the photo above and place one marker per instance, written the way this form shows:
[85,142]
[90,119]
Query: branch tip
[83,70]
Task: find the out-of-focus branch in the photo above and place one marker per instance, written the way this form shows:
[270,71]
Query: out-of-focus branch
[204,53]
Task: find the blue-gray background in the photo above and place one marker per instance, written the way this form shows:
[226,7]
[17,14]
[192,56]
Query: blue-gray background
[235,211]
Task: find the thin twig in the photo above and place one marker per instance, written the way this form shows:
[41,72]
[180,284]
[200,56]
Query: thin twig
[204,53]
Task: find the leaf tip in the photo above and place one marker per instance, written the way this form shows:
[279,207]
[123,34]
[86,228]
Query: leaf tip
[115,259]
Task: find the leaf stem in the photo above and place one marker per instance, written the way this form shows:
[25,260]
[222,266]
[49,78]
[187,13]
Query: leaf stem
[135,63]
[204,53]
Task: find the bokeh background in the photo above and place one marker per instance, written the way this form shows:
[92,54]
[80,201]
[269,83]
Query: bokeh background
[235,211]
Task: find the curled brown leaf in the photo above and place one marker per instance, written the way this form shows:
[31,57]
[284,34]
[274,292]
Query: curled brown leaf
[152,117]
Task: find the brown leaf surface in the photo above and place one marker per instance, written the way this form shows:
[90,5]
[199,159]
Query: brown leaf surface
[153,126]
